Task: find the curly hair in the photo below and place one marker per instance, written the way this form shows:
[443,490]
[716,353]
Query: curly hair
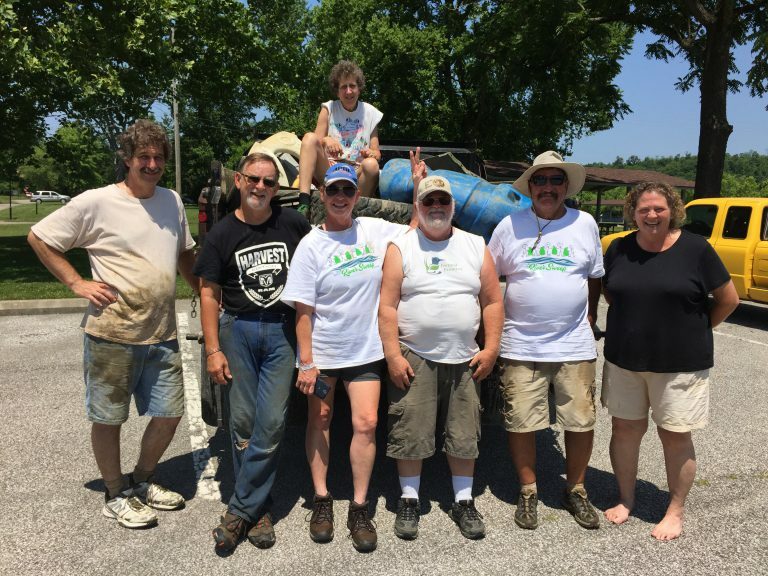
[675,203]
[141,134]
[342,69]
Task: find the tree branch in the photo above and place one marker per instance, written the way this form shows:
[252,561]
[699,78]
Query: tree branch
[700,13]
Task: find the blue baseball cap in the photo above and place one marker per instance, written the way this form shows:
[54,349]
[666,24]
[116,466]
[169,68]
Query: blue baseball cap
[339,172]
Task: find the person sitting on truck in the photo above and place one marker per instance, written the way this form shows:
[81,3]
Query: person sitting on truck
[346,131]
[251,345]
[658,343]
[334,284]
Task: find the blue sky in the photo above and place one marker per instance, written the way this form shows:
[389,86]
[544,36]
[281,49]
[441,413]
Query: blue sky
[665,121]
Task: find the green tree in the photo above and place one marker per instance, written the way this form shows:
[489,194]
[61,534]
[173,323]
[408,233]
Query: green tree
[82,159]
[705,33]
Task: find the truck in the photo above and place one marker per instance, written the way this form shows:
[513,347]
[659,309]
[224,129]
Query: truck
[479,209]
[737,228]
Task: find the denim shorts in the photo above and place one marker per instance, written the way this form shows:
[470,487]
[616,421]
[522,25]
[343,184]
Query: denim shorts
[114,372]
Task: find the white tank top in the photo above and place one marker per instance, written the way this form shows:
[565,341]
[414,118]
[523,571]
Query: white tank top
[439,312]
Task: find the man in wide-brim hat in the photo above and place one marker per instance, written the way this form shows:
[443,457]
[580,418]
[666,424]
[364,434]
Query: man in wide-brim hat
[552,261]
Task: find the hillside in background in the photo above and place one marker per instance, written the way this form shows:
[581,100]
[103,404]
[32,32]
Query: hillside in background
[746,174]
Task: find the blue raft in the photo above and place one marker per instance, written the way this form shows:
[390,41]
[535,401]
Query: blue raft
[480,205]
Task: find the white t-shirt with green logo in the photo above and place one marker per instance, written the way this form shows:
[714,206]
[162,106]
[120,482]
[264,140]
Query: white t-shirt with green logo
[545,301]
[339,275]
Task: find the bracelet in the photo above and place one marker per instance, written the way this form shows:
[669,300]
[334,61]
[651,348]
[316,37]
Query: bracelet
[212,352]
[306,367]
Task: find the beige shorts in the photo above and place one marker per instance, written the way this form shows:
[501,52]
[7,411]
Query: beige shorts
[525,386]
[679,401]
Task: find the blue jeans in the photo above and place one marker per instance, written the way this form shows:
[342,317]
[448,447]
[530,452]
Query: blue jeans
[261,352]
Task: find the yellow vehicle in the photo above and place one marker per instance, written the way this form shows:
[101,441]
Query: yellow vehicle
[738,230]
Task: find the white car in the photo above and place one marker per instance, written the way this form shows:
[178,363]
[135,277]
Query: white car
[49,196]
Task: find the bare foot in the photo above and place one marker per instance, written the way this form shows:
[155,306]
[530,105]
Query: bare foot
[669,528]
[618,514]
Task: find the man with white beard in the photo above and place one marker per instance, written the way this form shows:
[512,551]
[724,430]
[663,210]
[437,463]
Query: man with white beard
[438,281]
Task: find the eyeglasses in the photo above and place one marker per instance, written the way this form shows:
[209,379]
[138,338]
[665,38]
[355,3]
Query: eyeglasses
[268,182]
[430,200]
[348,191]
[542,180]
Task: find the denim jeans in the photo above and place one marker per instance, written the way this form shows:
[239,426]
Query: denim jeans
[261,352]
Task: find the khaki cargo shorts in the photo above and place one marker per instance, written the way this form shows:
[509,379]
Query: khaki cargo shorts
[525,387]
[679,401]
[444,393]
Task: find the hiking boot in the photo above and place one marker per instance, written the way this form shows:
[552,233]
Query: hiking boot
[229,533]
[577,503]
[470,521]
[407,520]
[128,510]
[527,515]
[262,534]
[361,528]
[156,496]
[321,523]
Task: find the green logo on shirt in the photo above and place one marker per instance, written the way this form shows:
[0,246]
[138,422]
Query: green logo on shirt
[549,257]
[354,259]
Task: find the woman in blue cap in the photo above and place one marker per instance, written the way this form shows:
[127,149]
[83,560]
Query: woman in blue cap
[334,283]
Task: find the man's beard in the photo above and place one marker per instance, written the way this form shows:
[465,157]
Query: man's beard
[438,222]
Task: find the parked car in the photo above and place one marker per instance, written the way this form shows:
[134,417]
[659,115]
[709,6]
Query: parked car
[737,228]
[49,196]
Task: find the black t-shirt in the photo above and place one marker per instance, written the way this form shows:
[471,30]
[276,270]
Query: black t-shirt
[250,261]
[658,319]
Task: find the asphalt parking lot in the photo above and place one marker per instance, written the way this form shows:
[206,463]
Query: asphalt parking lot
[52,495]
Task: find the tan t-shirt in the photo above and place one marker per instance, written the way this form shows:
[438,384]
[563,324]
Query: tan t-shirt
[133,245]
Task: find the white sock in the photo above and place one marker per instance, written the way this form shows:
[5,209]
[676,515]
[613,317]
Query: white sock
[462,487]
[410,486]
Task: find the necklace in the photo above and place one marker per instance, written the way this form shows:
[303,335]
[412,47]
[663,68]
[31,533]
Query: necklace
[541,229]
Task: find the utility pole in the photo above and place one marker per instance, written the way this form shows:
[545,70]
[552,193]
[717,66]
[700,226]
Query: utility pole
[176,139]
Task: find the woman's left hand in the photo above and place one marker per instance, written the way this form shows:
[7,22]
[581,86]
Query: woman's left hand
[306,380]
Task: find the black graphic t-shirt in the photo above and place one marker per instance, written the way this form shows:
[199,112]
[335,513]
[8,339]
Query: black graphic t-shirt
[250,262]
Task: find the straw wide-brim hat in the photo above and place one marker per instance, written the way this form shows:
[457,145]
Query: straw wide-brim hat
[575,173]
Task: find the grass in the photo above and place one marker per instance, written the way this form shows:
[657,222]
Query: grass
[23,277]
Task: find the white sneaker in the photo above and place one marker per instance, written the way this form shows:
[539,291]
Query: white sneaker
[156,496]
[129,511]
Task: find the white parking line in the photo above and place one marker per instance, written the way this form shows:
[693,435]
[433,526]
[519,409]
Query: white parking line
[740,338]
[205,466]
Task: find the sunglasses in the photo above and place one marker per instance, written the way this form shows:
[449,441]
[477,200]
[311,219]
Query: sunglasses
[268,182]
[542,180]
[442,200]
[348,191]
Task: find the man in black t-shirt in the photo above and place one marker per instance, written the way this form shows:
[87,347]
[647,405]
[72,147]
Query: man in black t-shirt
[251,346]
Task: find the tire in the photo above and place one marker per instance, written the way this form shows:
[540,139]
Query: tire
[63,201]
[397,212]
